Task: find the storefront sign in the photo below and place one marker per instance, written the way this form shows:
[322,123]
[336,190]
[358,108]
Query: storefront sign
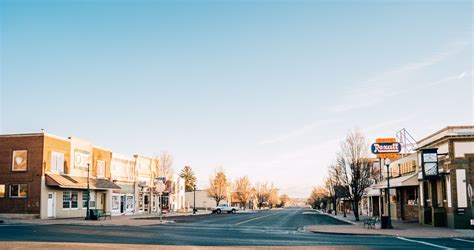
[408,167]
[81,158]
[429,163]
[386,148]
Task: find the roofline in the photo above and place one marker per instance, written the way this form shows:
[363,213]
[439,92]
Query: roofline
[443,130]
[22,134]
[67,139]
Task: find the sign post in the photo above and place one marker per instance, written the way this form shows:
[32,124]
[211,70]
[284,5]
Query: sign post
[387,149]
[160,187]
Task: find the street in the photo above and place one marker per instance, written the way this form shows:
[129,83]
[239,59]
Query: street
[263,228]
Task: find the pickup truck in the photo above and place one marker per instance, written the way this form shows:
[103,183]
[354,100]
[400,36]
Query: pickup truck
[224,208]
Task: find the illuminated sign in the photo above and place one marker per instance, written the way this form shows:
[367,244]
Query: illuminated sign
[386,148]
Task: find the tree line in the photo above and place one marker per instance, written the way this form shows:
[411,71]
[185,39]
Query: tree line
[264,194]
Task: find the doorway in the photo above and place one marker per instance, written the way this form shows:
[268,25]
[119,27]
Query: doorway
[51,205]
[122,204]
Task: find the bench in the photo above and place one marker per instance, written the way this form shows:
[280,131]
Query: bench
[96,214]
[102,214]
[371,222]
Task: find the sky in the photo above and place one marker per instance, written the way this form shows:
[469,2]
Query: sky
[266,89]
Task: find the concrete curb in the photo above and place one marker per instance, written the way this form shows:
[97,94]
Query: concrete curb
[352,234]
[340,219]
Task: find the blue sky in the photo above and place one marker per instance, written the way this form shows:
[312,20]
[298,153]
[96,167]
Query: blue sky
[265,89]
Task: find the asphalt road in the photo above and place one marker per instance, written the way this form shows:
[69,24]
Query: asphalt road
[263,228]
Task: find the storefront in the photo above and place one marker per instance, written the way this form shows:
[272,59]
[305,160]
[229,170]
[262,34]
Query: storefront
[446,160]
[403,197]
[67,195]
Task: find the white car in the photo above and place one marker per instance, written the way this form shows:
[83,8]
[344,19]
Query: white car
[224,208]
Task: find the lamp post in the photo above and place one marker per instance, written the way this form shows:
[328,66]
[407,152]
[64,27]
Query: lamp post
[88,194]
[389,221]
[194,202]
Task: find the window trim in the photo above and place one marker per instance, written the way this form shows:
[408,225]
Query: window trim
[101,175]
[70,201]
[90,200]
[57,153]
[13,161]
[18,197]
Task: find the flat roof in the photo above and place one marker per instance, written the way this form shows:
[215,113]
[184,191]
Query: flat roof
[451,131]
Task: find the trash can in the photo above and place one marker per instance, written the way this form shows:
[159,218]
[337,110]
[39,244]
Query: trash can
[384,222]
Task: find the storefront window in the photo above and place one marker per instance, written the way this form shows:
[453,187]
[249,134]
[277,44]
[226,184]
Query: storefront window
[84,200]
[115,202]
[129,202]
[74,199]
[70,199]
[18,191]
[66,199]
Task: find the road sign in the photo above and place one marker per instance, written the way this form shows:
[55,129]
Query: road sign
[160,187]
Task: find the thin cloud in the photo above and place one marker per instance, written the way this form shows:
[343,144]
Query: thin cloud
[297,132]
[376,89]
[456,48]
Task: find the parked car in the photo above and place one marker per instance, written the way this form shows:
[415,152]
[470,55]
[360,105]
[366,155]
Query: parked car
[224,208]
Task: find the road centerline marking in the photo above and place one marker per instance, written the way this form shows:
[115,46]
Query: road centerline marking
[423,242]
[470,241]
[256,218]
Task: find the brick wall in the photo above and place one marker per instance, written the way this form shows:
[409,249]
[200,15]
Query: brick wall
[32,176]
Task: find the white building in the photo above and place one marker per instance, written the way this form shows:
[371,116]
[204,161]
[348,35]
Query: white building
[177,196]
[123,174]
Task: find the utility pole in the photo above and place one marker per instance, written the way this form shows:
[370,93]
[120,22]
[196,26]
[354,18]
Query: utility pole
[88,193]
[389,221]
[194,203]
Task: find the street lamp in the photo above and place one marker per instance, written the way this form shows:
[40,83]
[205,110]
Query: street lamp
[88,194]
[194,202]
[389,220]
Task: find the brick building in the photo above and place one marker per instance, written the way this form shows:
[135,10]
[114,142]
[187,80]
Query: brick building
[47,176]
[21,171]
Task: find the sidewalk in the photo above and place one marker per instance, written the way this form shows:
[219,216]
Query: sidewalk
[400,228]
[120,220]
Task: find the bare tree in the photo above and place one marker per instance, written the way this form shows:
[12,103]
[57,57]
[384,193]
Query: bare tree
[284,200]
[354,169]
[218,186]
[165,160]
[273,197]
[334,185]
[262,193]
[243,188]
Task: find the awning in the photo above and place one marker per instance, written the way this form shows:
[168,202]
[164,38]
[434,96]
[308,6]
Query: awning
[372,192]
[404,181]
[76,182]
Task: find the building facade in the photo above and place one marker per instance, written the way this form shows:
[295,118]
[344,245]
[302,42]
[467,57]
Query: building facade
[446,200]
[49,176]
[123,174]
